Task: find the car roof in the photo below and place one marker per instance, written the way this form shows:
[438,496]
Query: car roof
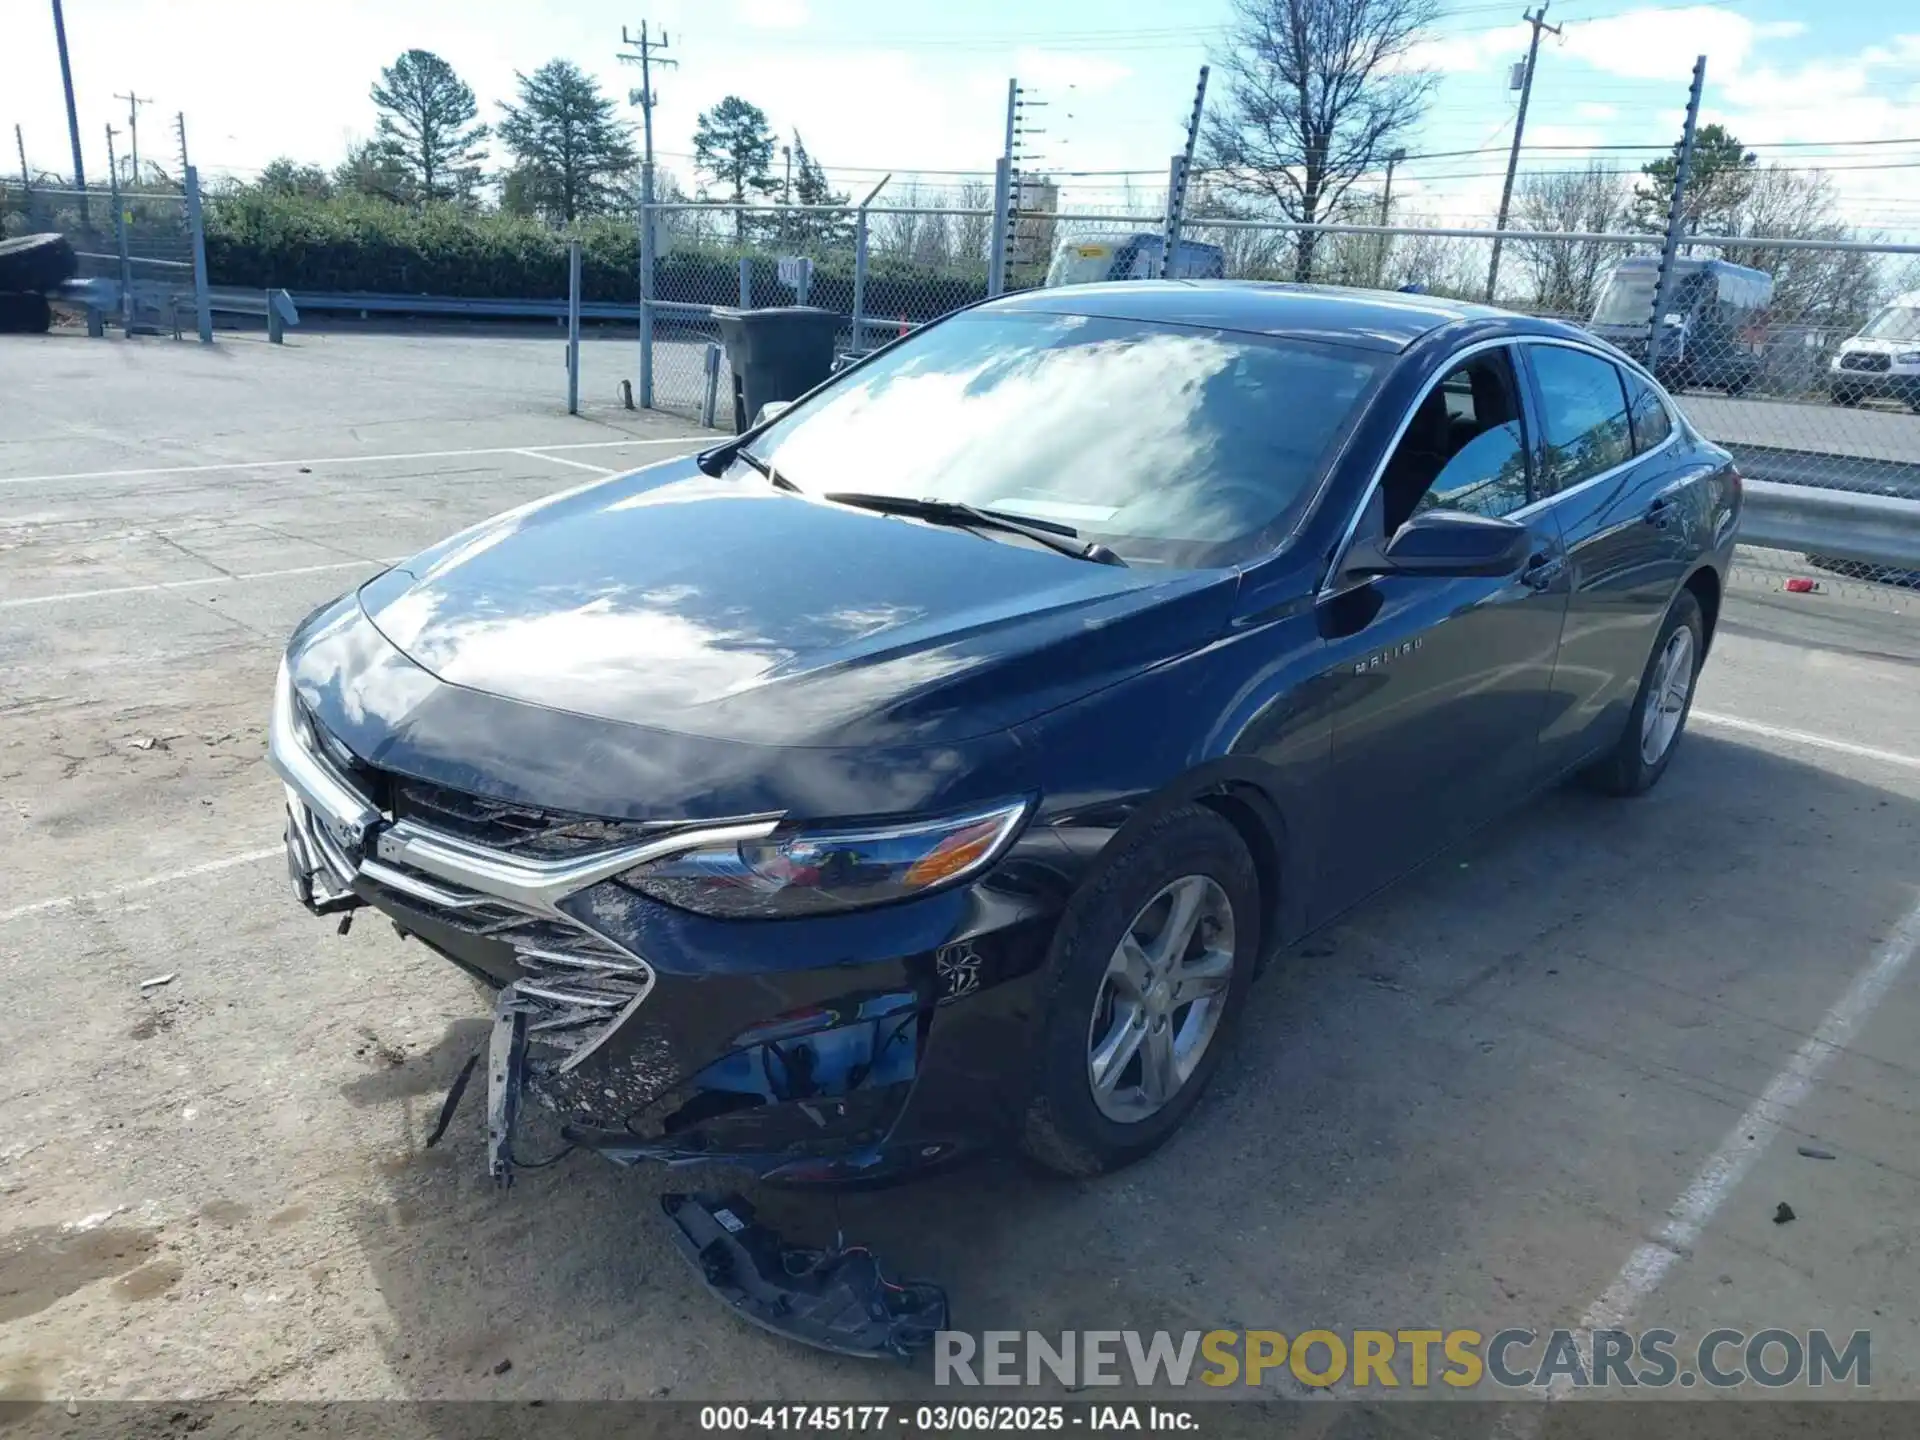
[1372,319]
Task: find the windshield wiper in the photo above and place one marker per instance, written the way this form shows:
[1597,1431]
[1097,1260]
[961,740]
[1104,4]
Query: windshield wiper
[767,468]
[1063,538]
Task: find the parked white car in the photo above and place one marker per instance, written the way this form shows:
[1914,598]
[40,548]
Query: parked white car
[1883,359]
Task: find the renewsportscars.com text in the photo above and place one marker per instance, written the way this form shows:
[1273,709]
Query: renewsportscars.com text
[1513,1358]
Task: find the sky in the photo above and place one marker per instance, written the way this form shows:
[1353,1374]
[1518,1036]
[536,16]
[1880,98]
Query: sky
[920,89]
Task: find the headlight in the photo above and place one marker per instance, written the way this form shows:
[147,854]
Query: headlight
[1908,357]
[814,872]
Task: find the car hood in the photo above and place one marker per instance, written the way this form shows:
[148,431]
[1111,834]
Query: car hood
[722,607]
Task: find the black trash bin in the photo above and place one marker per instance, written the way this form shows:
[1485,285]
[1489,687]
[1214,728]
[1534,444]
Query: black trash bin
[776,354]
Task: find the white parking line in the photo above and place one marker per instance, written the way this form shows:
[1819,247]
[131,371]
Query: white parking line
[562,460]
[152,882]
[689,440]
[196,583]
[1803,737]
[1723,1171]
[1754,1131]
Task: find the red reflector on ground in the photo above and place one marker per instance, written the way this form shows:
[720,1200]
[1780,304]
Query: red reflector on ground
[1800,585]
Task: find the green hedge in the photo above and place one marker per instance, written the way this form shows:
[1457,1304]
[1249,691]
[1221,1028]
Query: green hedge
[359,244]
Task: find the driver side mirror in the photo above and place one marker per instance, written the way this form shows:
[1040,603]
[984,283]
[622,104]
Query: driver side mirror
[1443,543]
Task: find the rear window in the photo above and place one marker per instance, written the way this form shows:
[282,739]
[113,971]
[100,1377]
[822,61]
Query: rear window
[1584,412]
[1169,443]
[1652,424]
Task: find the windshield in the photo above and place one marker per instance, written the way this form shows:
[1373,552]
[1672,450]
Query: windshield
[1896,322]
[1167,443]
[1627,300]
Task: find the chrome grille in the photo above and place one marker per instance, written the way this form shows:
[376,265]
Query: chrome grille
[513,829]
[1866,360]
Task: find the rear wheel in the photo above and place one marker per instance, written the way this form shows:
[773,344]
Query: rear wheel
[1844,396]
[24,314]
[1660,709]
[1150,967]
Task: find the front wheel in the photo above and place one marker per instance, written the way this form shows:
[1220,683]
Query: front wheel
[1149,969]
[1660,709]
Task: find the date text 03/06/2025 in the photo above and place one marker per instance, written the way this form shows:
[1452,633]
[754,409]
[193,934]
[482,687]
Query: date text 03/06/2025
[880,1419]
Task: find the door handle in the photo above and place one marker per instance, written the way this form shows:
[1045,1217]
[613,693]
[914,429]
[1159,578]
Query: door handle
[1660,513]
[1542,571]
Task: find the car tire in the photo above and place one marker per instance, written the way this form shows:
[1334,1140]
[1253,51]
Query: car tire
[1848,398]
[1646,746]
[1189,855]
[24,314]
[36,262]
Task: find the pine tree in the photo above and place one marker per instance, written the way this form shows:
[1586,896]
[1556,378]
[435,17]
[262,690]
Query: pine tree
[734,144]
[572,156]
[810,187]
[427,128]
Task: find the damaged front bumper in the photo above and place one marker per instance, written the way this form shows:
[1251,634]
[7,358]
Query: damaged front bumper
[851,1048]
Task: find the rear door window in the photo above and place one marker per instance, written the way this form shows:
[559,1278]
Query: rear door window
[1583,412]
[1651,422]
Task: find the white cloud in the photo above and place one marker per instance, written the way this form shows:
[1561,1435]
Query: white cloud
[1661,44]
[1588,110]
[771,14]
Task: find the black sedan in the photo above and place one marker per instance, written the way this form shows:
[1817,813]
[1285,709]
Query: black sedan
[935,765]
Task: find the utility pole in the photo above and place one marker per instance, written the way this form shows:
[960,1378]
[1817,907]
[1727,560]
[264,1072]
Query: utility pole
[20,144]
[180,130]
[1386,215]
[1676,211]
[73,115]
[1538,20]
[645,52]
[134,102]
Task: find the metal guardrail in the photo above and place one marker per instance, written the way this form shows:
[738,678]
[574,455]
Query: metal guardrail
[463,308]
[1864,474]
[1870,530]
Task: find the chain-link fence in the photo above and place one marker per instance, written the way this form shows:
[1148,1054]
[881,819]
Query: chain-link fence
[1802,358]
[140,238]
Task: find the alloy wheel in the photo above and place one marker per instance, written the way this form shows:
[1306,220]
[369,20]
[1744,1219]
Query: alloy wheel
[1672,685]
[1161,999]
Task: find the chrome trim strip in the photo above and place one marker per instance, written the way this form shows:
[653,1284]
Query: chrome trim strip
[1327,589]
[419,889]
[593,963]
[538,886]
[318,783]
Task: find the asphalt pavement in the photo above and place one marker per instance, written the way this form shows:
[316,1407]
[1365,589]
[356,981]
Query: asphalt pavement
[1485,1100]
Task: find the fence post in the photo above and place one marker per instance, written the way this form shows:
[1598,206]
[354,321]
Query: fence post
[859,280]
[202,301]
[648,256]
[573,328]
[997,250]
[1676,210]
[859,342]
[746,282]
[120,239]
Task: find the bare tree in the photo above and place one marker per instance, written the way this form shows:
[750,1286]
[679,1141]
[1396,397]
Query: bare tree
[1823,288]
[1318,94]
[1566,274]
[896,233]
[973,234]
[1437,264]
